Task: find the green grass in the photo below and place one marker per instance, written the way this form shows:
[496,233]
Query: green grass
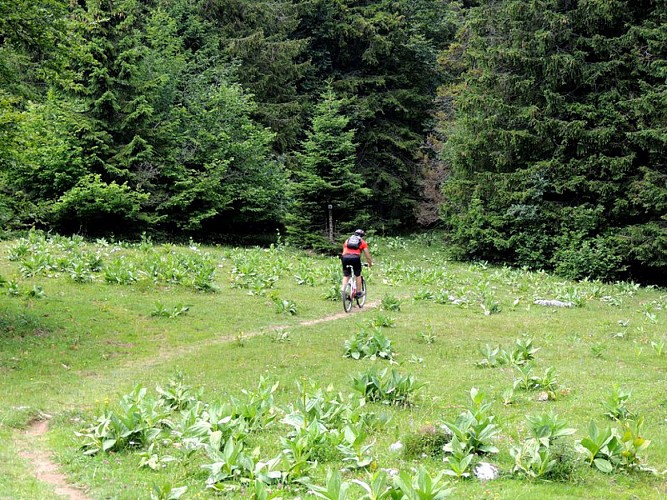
[81,346]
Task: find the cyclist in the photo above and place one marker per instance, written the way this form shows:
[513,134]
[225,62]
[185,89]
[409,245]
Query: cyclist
[351,256]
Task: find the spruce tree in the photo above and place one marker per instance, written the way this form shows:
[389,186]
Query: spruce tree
[259,38]
[382,55]
[326,176]
[556,146]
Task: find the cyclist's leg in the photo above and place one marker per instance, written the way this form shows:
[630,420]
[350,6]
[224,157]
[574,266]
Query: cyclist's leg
[357,273]
[346,271]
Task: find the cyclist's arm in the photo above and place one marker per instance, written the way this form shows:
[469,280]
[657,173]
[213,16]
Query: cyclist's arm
[367,254]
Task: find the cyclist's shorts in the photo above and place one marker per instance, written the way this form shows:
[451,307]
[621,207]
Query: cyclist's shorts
[351,260]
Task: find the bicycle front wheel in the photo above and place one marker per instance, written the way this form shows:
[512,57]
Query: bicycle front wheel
[362,300]
[347,297]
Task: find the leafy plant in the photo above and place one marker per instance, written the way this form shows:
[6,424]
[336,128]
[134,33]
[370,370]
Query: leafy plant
[166,491]
[427,336]
[489,304]
[353,447]
[532,459]
[615,404]
[475,428]
[608,448]
[378,487]
[390,303]
[164,312]
[36,292]
[523,351]
[658,347]
[230,462]
[459,459]
[544,455]
[546,428]
[529,382]
[284,306]
[602,448]
[491,357]
[382,321]
[137,423]
[369,343]
[423,294]
[422,485]
[335,489]
[389,387]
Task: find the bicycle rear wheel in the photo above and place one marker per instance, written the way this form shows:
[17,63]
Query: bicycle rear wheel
[347,297]
[362,300]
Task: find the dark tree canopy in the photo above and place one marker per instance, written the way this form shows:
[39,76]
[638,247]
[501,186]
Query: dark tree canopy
[557,142]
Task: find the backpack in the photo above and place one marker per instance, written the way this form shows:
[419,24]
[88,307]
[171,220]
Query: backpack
[354,242]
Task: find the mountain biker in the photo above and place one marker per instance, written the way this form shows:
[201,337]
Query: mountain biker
[352,257]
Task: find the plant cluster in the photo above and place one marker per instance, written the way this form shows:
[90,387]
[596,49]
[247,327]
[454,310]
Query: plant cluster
[521,353]
[544,454]
[369,343]
[40,254]
[387,386]
[171,427]
[380,485]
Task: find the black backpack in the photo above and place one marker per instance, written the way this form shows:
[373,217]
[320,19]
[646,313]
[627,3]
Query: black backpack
[354,242]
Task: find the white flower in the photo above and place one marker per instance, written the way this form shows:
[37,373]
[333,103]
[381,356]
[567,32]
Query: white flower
[397,446]
[391,472]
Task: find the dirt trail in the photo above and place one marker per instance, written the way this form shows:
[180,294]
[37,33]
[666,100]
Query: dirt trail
[43,467]
[46,470]
[169,354]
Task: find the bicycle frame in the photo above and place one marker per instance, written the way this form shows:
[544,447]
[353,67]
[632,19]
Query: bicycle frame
[349,294]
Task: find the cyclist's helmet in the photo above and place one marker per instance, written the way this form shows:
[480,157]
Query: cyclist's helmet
[360,232]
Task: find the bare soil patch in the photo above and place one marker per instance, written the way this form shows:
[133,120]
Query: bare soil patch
[43,467]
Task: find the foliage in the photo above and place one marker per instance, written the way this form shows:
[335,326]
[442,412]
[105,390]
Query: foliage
[553,141]
[608,448]
[522,352]
[615,404]
[388,387]
[382,56]
[544,455]
[474,429]
[390,303]
[326,177]
[369,343]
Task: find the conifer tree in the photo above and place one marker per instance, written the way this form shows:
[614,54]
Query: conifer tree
[326,175]
[382,55]
[556,146]
[259,38]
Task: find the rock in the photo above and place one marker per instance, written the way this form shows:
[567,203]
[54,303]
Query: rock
[486,471]
[553,303]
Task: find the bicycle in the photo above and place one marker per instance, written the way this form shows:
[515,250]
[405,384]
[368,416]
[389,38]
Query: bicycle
[349,294]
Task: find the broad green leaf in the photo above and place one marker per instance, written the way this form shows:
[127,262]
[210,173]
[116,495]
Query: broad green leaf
[603,465]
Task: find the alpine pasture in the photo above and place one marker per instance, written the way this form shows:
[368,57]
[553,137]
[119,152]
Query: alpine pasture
[189,371]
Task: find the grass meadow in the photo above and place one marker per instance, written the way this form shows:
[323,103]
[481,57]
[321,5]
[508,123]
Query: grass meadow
[194,372]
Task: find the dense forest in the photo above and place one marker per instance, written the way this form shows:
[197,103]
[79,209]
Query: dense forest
[531,132]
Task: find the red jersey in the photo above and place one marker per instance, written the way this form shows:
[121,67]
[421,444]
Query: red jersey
[354,251]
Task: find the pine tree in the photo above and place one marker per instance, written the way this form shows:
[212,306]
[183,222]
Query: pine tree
[382,55]
[326,176]
[258,37]
[555,136]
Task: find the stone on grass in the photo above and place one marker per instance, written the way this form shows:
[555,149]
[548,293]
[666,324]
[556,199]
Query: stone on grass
[486,471]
